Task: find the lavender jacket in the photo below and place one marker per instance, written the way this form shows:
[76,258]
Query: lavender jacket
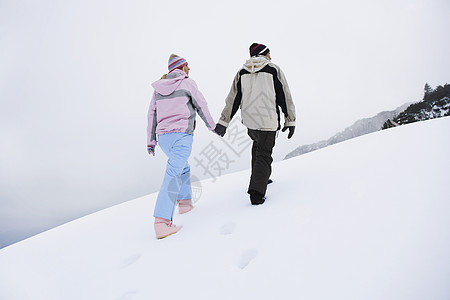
[174,105]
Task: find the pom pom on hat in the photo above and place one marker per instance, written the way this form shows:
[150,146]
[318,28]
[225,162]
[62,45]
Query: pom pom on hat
[258,49]
[176,62]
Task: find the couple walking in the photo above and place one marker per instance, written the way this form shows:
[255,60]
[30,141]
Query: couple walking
[259,89]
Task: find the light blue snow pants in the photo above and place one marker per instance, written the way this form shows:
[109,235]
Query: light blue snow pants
[177,179]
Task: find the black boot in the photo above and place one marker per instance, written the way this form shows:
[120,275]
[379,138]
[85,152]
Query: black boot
[256,198]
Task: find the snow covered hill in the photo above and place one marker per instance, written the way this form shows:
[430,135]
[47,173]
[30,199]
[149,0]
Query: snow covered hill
[435,104]
[364,219]
[360,127]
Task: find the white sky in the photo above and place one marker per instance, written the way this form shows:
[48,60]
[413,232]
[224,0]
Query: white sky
[75,84]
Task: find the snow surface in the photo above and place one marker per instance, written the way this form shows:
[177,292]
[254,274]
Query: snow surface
[364,219]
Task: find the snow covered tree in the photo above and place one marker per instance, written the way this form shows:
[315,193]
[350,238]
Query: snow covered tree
[427,89]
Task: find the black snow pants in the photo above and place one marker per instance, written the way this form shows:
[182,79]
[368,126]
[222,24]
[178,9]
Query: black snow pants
[263,143]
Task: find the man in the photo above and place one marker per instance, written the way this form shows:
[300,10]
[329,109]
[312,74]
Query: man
[260,90]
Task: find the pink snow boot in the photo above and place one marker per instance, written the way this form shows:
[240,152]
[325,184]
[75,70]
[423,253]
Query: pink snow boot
[164,228]
[185,206]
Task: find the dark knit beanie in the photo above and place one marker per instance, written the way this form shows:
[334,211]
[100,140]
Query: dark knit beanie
[258,49]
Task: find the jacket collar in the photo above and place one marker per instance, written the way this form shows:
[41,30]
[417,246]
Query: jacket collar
[256,63]
[176,73]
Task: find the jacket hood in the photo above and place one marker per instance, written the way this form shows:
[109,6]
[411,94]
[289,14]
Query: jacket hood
[255,64]
[171,82]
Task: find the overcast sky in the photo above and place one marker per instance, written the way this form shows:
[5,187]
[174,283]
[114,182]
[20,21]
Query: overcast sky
[75,84]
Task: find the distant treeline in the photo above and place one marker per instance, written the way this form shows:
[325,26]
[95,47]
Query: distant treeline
[435,104]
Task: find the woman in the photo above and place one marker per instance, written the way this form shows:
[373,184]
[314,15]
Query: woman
[171,117]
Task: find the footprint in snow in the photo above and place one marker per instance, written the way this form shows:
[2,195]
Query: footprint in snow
[246,257]
[128,295]
[228,228]
[130,260]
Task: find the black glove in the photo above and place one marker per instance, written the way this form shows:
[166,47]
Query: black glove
[151,150]
[291,130]
[220,129]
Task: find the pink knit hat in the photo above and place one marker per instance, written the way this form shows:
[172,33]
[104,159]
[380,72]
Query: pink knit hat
[176,62]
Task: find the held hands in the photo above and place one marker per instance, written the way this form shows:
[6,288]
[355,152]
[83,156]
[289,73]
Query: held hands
[220,129]
[291,130]
[151,150]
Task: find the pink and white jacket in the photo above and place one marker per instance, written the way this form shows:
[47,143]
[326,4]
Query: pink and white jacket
[174,105]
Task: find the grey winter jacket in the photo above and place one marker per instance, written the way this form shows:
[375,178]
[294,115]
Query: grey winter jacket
[260,90]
